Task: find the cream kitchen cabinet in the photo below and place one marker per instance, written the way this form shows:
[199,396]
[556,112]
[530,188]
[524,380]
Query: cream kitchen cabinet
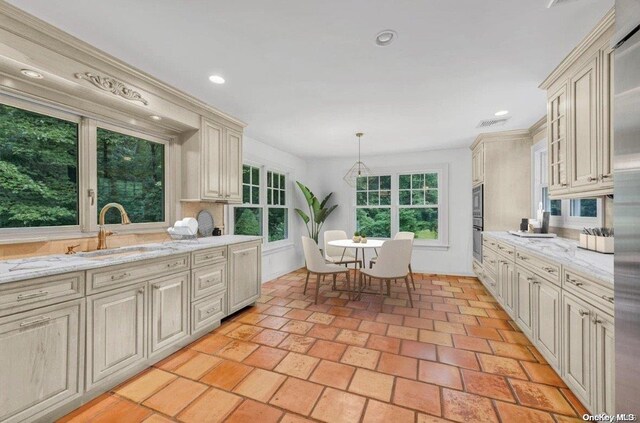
[546,328]
[477,164]
[507,285]
[42,360]
[212,163]
[579,111]
[169,311]
[116,332]
[524,306]
[244,275]
[588,356]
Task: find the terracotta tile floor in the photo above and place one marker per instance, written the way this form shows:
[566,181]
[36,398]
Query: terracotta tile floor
[454,357]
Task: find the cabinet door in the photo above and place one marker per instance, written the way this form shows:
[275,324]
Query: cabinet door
[584,126]
[41,354]
[169,310]
[557,141]
[547,320]
[233,166]
[524,301]
[604,364]
[605,148]
[507,282]
[244,275]
[115,331]
[577,356]
[212,161]
[477,164]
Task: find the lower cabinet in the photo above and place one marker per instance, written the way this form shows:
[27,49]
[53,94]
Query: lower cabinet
[169,311]
[42,359]
[547,320]
[116,331]
[588,356]
[524,301]
[244,275]
[506,285]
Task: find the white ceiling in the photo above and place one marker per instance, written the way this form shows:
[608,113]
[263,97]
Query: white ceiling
[307,75]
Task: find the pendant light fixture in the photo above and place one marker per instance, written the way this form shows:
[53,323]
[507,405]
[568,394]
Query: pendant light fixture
[358,169]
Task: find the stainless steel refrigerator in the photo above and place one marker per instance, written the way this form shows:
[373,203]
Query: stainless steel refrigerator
[627,205]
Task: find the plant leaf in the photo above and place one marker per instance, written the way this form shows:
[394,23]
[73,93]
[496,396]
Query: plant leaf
[326,199]
[308,195]
[330,210]
[303,215]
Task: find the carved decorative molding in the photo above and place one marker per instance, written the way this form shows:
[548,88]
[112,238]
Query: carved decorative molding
[113,86]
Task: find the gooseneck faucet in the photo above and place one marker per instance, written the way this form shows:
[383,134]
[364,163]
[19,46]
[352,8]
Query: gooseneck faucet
[103,234]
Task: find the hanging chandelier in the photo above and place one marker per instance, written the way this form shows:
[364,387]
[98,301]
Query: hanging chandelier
[358,169]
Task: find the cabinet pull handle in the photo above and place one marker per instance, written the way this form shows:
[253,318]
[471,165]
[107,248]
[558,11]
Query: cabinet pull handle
[591,179]
[141,290]
[523,257]
[208,257]
[23,297]
[500,247]
[39,320]
[121,276]
[211,310]
[574,282]
[550,269]
[156,286]
[606,176]
[610,299]
[170,265]
[596,320]
[564,185]
[583,312]
[510,252]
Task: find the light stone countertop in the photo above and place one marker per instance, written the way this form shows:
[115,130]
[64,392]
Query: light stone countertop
[564,251]
[35,267]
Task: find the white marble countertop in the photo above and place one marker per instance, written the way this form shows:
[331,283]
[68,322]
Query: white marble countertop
[566,252]
[34,267]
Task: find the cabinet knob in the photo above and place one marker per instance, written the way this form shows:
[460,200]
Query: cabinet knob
[583,312]
[592,179]
[156,286]
[606,176]
[596,320]
[564,185]
[141,291]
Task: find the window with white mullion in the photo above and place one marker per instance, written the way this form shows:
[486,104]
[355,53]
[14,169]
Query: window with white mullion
[277,210]
[373,206]
[248,218]
[418,204]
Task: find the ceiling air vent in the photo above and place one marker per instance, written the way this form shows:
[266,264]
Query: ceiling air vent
[493,122]
[553,3]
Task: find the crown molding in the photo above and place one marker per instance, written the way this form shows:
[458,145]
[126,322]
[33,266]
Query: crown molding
[46,35]
[512,135]
[605,24]
[538,126]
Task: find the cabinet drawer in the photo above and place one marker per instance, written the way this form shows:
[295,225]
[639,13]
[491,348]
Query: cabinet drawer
[116,276]
[506,250]
[209,256]
[490,261]
[208,280]
[489,243]
[477,268]
[589,290]
[539,266]
[208,311]
[27,295]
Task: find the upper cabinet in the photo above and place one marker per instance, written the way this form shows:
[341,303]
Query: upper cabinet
[212,163]
[477,165]
[579,126]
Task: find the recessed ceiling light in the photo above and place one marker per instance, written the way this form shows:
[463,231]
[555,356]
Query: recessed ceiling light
[216,79]
[155,117]
[31,73]
[386,37]
[502,113]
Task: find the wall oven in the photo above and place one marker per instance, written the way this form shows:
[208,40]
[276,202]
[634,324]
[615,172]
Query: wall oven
[478,224]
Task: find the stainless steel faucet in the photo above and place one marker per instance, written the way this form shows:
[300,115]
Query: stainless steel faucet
[103,234]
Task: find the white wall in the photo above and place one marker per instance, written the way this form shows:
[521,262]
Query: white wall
[325,176]
[288,257]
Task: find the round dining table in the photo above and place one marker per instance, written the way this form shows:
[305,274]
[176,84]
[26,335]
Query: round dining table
[348,243]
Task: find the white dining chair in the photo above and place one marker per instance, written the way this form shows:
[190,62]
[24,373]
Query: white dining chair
[392,264]
[317,265]
[400,235]
[337,255]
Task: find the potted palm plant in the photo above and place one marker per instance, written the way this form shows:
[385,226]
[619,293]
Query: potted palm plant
[318,211]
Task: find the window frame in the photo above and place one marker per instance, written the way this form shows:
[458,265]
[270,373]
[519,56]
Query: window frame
[264,168]
[284,206]
[88,176]
[378,206]
[442,170]
[539,175]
